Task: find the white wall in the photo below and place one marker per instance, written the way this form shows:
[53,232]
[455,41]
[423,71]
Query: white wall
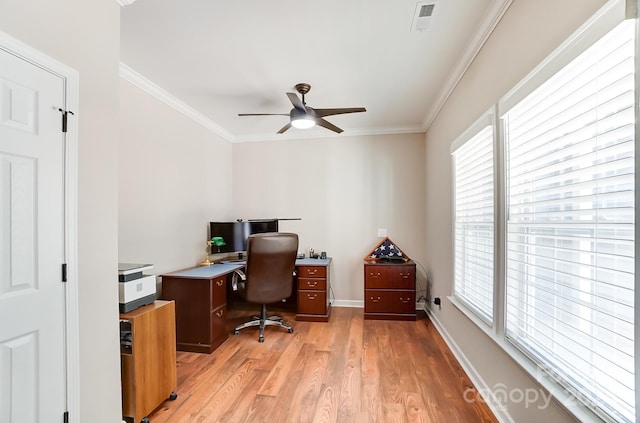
[528,32]
[344,189]
[85,36]
[174,177]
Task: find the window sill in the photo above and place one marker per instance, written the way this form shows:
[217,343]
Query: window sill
[498,392]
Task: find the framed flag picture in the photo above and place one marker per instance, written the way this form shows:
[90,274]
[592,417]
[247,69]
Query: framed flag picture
[387,250]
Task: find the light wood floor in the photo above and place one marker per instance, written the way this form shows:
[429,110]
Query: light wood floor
[347,370]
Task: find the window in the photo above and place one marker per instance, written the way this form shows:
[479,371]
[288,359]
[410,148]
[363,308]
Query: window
[570,224]
[563,226]
[474,223]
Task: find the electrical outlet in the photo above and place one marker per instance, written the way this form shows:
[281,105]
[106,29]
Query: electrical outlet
[382,232]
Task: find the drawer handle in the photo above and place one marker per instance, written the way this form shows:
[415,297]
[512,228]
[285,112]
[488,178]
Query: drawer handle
[405,275]
[405,301]
[312,296]
[220,282]
[311,285]
[375,300]
[312,271]
[375,275]
[220,313]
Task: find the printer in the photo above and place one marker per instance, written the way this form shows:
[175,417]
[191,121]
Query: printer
[135,288]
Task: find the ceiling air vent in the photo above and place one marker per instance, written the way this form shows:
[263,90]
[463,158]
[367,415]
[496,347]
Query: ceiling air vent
[422,15]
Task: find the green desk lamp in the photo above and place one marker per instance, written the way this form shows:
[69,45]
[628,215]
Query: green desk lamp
[218,241]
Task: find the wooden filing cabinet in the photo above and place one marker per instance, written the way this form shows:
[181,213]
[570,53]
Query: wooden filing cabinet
[201,310]
[147,358]
[313,290]
[390,291]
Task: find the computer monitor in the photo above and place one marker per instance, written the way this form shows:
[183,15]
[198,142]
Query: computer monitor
[235,234]
[262,226]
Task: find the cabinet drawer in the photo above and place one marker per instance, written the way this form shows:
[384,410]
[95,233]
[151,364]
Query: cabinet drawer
[218,323]
[312,284]
[218,292]
[389,301]
[312,302]
[402,277]
[312,271]
[396,276]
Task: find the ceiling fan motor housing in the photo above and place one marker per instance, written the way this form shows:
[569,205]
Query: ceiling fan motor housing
[296,113]
[303,117]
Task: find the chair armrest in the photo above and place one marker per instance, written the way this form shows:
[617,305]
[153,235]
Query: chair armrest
[234,278]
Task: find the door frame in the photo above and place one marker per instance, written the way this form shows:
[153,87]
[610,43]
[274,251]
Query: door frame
[70,79]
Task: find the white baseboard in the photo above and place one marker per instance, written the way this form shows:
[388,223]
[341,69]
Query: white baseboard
[348,303]
[498,409]
[360,304]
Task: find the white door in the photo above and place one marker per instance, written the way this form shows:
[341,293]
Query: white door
[32,294]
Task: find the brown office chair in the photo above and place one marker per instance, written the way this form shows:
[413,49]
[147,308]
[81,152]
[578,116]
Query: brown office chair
[268,277]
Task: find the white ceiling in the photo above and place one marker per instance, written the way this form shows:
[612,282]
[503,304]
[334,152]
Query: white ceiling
[224,57]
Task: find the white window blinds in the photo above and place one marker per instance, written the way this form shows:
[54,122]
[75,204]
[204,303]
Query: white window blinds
[474,223]
[570,225]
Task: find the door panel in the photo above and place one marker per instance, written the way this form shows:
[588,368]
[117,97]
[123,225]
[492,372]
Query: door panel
[18,211]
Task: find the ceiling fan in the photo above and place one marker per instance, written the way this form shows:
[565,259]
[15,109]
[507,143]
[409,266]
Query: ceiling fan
[303,116]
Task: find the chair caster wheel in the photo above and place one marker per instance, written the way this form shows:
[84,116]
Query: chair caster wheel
[261,339]
[173,396]
[236,332]
[290,330]
[145,420]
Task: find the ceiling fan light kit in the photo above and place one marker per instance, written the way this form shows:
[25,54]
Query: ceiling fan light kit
[303,116]
[303,122]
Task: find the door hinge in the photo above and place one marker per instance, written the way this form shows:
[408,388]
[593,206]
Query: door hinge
[65,417]
[64,272]
[65,113]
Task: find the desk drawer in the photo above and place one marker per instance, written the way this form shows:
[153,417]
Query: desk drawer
[218,292]
[312,271]
[312,284]
[312,302]
[218,323]
[389,301]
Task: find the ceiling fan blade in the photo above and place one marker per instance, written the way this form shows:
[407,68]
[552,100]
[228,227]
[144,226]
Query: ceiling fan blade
[331,112]
[328,125]
[295,100]
[284,128]
[263,114]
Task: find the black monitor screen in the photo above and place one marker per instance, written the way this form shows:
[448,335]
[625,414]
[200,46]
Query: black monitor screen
[234,235]
[262,226]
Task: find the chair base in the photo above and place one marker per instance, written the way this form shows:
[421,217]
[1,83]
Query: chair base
[263,321]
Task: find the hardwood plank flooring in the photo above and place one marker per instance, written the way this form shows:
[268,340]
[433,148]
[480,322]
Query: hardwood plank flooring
[347,370]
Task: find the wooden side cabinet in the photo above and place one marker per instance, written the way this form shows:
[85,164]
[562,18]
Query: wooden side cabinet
[313,290]
[390,291]
[147,358]
[201,310]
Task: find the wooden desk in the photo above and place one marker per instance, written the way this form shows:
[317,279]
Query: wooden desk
[200,294]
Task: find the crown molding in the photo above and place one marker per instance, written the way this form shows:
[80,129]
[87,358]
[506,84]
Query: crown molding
[488,23]
[154,90]
[125,2]
[320,134]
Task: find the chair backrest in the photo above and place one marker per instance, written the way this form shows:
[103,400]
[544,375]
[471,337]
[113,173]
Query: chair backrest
[271,261]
